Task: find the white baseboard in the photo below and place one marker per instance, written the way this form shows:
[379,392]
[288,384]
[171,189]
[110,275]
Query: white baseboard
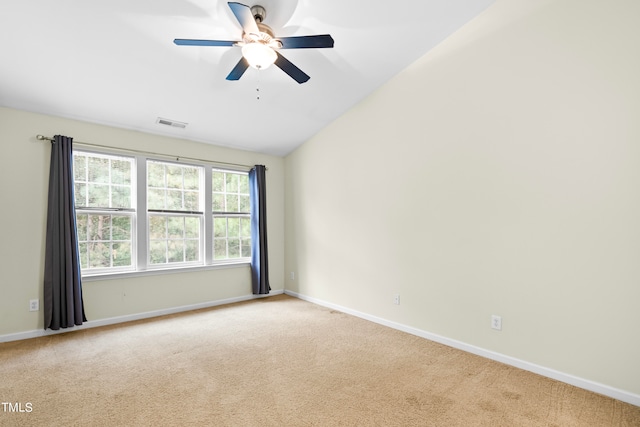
[131,317]
[593,386]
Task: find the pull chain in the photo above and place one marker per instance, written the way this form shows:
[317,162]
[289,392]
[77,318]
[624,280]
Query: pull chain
[258,87]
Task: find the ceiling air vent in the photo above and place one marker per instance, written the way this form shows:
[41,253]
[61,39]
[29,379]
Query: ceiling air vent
[171,123]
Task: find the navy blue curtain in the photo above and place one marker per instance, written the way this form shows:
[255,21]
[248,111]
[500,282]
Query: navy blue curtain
[259,257]
[63,306]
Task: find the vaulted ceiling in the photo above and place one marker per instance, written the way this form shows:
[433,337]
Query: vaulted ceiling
[114,62]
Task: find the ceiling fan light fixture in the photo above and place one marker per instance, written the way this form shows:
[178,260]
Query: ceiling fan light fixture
[258,55]
[260,48]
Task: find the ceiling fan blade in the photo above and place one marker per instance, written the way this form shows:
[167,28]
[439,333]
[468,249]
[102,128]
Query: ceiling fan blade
[245,17]
[303,42]
[296,73]
[191,42]
[238,70]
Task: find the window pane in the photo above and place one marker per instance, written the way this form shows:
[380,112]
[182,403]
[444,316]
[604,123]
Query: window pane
[155,198]
[99,255]
[220,249]
[245,205]
[233,227]
[217,179]
[120,172]
[105,240]
[79,167]
[158,252]
[191,179]
[81,225]
[102,181]
[234,248]
[191,201]
[83,248]
[218,202]
[174,200]
[175,249]
[232,183]
[232,202]
[246,248]
[192,251]
[220,227]
[245,227]
[174,176]
[232,237]
[98,169]
[80,194]
[176,227]
[155,175]
[99,227]
[174,239]
[157,227]
[121,228]
[120,197]
[173,187]
[244,184]
[98,196]
[192,228]
[121,254]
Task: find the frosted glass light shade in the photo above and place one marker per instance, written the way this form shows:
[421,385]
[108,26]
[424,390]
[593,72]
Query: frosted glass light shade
[258,55]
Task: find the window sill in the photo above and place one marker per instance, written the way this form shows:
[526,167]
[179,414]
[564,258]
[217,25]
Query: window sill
[155,272]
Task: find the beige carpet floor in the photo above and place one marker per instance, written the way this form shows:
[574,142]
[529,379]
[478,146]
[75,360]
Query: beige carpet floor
[277,361]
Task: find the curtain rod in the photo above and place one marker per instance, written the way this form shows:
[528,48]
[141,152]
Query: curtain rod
[130,150]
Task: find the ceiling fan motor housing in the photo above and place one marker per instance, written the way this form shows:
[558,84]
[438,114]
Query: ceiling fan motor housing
[259,13]
[266,35]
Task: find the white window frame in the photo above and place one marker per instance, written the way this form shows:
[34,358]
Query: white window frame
[222,214]
[201,214]
[140,217]
[131,212]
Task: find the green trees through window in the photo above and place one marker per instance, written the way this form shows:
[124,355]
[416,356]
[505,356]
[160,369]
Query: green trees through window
[175,216]
[231,215]
[178,215]
[104,210]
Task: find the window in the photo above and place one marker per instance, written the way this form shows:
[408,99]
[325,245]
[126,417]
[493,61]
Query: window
[231,215]
[104,211]
[175,215]
[136,214]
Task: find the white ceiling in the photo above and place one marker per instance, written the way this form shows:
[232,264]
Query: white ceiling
[114,62]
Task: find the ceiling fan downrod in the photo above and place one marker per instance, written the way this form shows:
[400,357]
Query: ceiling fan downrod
[259,13]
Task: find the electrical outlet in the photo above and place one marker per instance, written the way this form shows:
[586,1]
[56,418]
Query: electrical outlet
[292,275]
[34,305]
[396,299]
[496,322]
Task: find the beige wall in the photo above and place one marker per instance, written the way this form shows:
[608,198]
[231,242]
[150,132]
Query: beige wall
[24,177]
[499,175]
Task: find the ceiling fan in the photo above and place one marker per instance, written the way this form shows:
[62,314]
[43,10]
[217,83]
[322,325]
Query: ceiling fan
[260,46]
